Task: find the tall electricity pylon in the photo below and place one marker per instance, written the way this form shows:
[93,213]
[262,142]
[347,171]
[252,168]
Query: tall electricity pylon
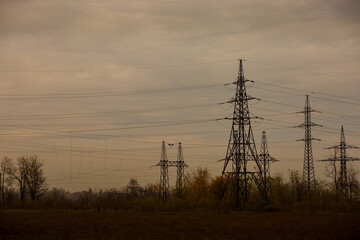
[241,147]
[180,177]
[265,160]
[164,174]
[343,159]
[308,170]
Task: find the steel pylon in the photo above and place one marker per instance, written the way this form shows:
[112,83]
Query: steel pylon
[308,167]
[265,160]
[164,174]
[342,159]
[180,177]
[164,164]
[241,147]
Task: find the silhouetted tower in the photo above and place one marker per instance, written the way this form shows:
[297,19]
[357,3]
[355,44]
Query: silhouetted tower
[164,174]
[343,159]
[265,160]
[241,147]
[180,177]
[308,170]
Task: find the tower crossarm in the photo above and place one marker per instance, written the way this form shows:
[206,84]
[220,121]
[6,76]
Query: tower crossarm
[272,159]
[347,159]
[329,160]
[310,125]
[316,139]
[344,146]
[353,159]
[235,99]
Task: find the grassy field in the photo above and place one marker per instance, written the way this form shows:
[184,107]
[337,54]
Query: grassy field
[72,224]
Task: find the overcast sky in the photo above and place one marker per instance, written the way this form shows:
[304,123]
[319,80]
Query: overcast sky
[93,87]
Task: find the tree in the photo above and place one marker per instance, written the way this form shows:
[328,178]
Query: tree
[4,181]
[332,173]
[354,185]
[35,179]
[197,183]
[297,186]
[18,172]
[29,173]
[134,189]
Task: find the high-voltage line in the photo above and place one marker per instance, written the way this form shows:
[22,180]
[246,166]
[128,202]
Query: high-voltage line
[164,172]
[343,159]
[265,160]
[241,147]
[308,168]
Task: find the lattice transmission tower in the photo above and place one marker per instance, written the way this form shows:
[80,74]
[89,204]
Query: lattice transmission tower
[342,159]
[180,177]
[241,147]
[164,164]
[164,174]
[308,168]
[265,160]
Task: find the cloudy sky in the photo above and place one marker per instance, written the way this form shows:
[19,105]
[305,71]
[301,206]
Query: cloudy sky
[93,87]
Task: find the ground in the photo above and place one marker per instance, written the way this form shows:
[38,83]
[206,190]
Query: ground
[79,224]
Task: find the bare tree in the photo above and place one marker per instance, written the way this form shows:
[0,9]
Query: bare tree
[4,181]
[35,179]
[18,173]
[331,171]
[354,185]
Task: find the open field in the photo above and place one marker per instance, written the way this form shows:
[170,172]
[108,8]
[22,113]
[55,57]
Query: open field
[73,224]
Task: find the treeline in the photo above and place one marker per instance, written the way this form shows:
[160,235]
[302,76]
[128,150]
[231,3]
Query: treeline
[23,185]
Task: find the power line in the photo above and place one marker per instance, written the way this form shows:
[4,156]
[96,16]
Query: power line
[40,96]
[301,70]
[304,90]
[119,128]
[100,114]
[322,98]
[115,69]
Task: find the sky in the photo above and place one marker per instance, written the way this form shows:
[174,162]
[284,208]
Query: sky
[93,87]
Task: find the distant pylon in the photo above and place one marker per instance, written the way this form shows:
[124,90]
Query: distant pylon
[164,174]
[343,159]
[180,177]
[308,168]
[241,147]
[265,160]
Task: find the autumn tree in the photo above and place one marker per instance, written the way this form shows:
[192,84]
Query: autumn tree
[297,186]
[133,189]
[197,183]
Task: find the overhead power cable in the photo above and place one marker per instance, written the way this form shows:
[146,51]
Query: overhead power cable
[322,98]
[117,68]
[100,114]
[43,96]
[306,91]
[302,70]
[118,128]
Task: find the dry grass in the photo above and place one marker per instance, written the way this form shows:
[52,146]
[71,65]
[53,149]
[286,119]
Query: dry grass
[71,224]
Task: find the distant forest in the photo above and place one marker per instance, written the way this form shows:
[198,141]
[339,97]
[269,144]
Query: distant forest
[23,185]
